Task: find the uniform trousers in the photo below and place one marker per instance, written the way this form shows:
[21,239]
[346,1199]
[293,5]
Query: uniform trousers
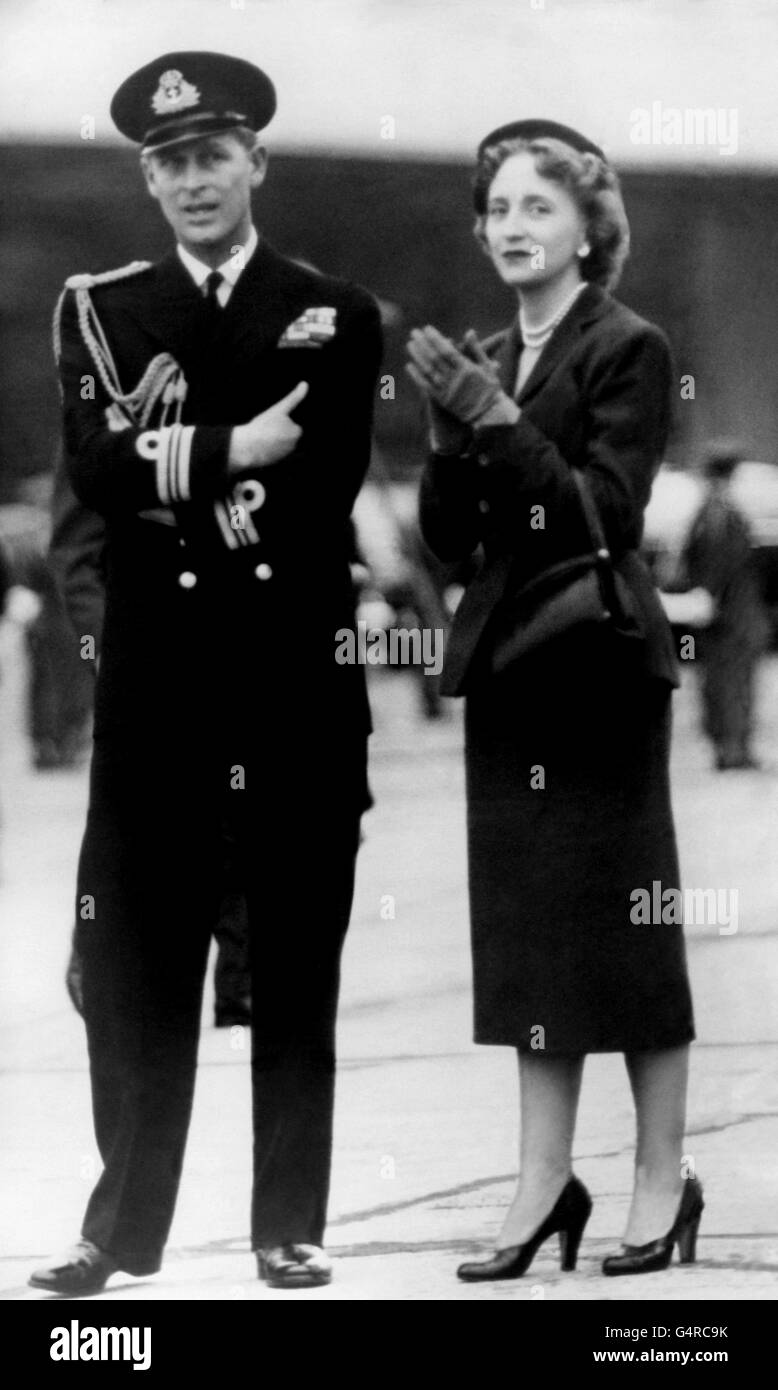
[150,878]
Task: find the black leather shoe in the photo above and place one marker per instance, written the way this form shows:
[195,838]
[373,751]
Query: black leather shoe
[293,1266]
[657,1254]
[84,1269]
[568,1216]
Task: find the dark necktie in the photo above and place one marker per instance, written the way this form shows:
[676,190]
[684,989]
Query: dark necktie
[213,309]
[211,286]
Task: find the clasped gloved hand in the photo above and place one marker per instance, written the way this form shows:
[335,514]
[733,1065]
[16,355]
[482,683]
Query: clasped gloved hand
[464,386]
[461,388]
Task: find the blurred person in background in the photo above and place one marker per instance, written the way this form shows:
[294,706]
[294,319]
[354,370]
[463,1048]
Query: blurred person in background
[718,557]
[562,419]
[58,687]
[400,588]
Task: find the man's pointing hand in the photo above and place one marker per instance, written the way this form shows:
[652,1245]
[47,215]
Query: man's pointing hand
[270,436]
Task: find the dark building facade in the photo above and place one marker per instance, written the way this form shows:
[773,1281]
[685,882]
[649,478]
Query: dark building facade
[704,266]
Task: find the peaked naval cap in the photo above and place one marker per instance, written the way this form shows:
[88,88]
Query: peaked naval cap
[535,129]
[183,95]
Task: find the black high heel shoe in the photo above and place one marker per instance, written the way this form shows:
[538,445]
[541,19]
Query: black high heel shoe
[568,1216]
[657,1254]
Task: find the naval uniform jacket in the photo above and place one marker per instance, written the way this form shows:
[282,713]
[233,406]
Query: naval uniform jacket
[598,398]
[223,593]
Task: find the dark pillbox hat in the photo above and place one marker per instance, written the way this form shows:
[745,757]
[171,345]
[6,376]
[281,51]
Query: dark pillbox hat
[182,95]
[536,129]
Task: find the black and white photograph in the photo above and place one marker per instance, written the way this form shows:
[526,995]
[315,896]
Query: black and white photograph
[389,663]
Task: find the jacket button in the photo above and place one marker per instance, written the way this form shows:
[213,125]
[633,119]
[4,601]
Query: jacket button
[483,506]
[264,572]
[187,579]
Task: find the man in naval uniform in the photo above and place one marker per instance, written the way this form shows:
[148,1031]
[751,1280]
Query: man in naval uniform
[217,413]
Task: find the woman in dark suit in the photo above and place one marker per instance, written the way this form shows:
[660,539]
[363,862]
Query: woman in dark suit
[567,747]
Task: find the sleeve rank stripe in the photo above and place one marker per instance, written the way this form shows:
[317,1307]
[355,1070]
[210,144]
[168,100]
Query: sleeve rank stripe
[172,462]
[160,461]
[185,454]
[171,450]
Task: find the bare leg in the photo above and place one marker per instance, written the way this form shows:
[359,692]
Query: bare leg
[658,1081]
[549,1091]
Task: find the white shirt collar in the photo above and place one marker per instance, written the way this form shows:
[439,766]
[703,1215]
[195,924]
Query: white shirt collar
[231,269]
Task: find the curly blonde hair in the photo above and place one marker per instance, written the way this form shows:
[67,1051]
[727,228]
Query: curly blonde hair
[593,185]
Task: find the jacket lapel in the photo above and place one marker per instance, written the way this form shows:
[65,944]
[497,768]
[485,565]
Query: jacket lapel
[591,304]
[506,355]
[265,299]
[261,303]
[169,308]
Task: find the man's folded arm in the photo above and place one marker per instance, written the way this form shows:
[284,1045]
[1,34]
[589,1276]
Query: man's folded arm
[119,470]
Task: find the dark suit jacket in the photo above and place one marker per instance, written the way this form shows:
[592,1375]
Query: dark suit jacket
[599,398]
[257,613]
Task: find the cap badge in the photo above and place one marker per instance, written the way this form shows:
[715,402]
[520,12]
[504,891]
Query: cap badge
[174,94]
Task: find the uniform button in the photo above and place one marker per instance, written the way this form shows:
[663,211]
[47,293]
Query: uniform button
[483,506]
[187,580]
[263,572]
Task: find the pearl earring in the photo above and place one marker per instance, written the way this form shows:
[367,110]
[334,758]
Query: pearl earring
[584,250]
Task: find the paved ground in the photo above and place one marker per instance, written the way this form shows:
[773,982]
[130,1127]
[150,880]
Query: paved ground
[426,1122]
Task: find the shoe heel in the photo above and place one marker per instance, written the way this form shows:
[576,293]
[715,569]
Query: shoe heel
[687,1241]
[568,1251]
[569,1241]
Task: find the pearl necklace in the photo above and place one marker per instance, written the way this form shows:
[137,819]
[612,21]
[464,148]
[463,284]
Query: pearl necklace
[538,337]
